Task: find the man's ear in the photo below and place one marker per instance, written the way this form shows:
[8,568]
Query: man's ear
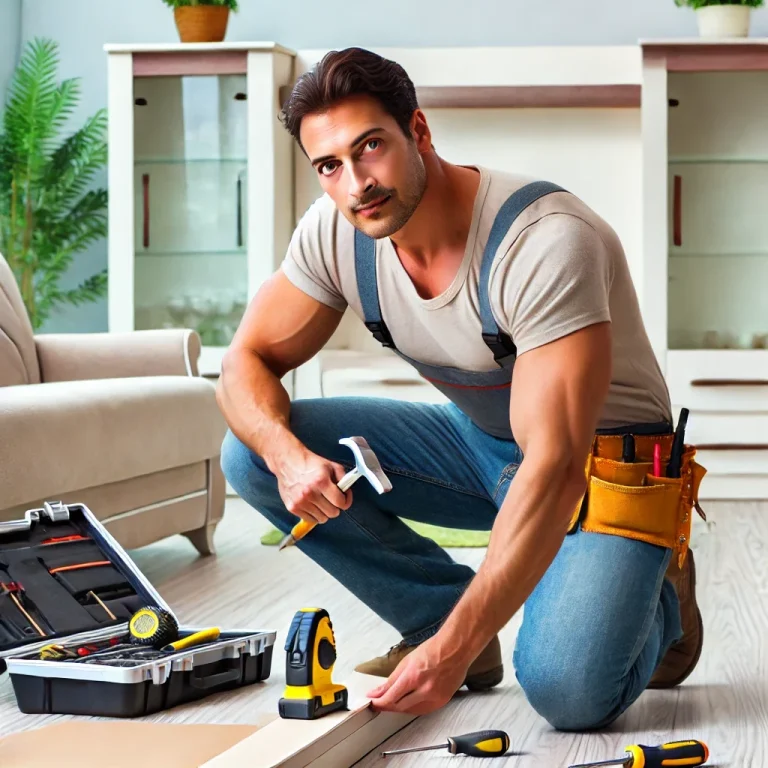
[420,131]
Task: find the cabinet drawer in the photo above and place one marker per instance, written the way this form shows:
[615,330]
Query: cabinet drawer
[736,461]
[727,431]
[719,380]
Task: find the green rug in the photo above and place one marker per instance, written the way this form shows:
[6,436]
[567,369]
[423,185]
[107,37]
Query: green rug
[445,537]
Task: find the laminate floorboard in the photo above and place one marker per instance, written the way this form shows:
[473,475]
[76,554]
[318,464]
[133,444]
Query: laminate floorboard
[724,702]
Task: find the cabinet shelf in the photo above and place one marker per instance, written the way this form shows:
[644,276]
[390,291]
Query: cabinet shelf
[161,254]
[188,161]
[722,255]
[717,160]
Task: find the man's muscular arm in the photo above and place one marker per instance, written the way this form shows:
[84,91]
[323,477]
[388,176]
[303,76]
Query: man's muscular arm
[558,391]
[282,328]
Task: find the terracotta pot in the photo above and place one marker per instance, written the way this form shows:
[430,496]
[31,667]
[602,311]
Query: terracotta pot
[723,21]
[201,23]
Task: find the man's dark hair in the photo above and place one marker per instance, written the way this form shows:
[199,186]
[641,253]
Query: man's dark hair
[353,71]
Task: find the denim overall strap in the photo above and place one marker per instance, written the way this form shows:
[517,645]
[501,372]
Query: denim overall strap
[482,395]
[499,343]
[368,288]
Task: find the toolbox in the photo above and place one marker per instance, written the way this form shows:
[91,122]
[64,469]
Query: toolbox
[66,584]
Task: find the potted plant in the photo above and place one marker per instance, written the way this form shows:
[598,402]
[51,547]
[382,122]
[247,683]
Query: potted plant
[50,211]
[202,21]
[722,18]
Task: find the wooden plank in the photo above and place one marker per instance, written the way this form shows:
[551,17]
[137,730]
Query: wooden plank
[709,56]
[266,46]
[337,740]
[529,96]
[521,96]
[176,63]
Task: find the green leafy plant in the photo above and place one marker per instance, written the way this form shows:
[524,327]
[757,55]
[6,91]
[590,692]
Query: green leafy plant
[47,213]
[695,4]
[231,4]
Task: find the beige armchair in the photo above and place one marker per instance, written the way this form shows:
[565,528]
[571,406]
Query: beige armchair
[120,422]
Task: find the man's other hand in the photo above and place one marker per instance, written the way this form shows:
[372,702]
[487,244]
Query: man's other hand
[421,683]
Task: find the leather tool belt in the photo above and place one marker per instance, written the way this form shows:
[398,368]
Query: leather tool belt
[627,499]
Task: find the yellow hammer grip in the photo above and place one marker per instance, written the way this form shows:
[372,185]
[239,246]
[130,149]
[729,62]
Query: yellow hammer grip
[301,529]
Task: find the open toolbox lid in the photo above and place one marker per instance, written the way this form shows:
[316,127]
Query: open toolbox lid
[53,563]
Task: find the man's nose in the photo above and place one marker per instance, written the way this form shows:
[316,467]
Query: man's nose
[360,184]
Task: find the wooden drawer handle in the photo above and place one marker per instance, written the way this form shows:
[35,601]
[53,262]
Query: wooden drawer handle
[402,382]
[732,447]
[729,383]
[677,211]
[145,190]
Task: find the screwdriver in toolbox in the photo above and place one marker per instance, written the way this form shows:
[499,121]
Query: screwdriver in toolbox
[672,753]
[475,744]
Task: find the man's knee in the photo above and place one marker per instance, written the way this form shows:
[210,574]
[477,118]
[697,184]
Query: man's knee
[565,687]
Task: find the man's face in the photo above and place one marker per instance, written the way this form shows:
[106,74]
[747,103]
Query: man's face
[372,171]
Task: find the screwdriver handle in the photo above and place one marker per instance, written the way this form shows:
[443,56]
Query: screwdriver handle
[479,744]
[677,753]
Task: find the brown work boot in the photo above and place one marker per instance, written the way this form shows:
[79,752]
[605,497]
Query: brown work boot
[486,671]
[683,656]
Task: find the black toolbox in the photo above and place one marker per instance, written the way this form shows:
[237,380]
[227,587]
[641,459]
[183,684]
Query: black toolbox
[64,575]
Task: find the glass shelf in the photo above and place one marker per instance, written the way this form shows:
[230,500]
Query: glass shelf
[187,160]
[210,254]
[716,160]
[721,255]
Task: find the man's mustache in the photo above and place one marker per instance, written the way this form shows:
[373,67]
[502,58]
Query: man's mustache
[377,194]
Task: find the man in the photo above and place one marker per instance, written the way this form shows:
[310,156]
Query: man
[469,274]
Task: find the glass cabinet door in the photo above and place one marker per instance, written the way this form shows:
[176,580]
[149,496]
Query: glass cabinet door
[718,220]
[190,203]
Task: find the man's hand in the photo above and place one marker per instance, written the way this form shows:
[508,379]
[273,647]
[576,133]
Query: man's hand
[422,682]
[308,486]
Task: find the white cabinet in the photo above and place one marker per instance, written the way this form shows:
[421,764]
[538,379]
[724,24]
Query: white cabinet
[705,258]
[200,183]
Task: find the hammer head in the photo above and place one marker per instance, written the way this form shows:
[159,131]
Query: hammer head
[367,464]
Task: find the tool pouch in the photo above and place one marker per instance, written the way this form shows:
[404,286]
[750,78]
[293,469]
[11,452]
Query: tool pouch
[627,499]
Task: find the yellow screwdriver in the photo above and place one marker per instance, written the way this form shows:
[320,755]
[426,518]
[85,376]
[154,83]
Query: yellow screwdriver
[677,753]
[476,744]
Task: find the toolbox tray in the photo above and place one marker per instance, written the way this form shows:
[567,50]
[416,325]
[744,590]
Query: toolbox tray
[121,688]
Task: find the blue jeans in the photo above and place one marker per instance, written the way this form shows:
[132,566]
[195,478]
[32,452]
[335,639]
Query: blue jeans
[595,627]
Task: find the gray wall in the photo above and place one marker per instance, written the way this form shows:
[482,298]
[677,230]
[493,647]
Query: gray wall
[82,27]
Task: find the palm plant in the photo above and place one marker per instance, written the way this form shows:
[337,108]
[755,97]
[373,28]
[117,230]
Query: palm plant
[47,213]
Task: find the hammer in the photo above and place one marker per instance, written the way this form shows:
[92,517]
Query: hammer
[366,465]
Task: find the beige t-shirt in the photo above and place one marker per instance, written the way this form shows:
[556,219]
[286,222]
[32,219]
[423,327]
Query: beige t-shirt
[559,268]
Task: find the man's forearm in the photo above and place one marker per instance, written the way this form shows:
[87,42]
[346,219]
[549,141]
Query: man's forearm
[529,530]
[256,406]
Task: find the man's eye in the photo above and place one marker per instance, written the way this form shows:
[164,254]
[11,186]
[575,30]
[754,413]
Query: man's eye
[374,142]
[327,168]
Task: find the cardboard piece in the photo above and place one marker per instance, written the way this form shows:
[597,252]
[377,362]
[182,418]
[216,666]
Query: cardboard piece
[119,744]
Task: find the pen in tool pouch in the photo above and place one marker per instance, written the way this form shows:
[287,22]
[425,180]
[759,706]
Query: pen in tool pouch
[628,449]
[657,460]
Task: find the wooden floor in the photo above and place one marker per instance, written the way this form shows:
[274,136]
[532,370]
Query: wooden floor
[725,701]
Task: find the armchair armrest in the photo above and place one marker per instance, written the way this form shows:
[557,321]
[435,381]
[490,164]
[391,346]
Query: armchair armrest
[76,356]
